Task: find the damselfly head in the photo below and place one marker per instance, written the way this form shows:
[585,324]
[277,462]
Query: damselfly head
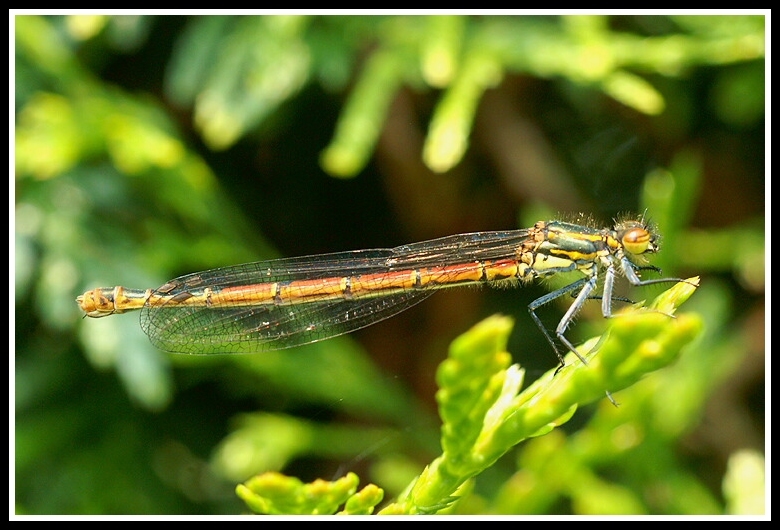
[637,236]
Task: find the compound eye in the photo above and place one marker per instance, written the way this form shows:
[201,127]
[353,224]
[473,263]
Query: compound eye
[636,240]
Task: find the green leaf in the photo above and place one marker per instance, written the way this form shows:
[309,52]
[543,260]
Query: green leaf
[484,417]
[273,493]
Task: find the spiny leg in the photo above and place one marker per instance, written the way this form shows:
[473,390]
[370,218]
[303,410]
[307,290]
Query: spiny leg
[583,286]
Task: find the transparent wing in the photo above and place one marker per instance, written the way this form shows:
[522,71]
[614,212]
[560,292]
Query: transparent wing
[242,328]
[263,328]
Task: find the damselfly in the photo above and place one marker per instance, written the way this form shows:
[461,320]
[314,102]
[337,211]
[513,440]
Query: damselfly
[277,304]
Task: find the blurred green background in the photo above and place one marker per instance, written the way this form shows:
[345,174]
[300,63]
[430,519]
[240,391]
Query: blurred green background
[147,147]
